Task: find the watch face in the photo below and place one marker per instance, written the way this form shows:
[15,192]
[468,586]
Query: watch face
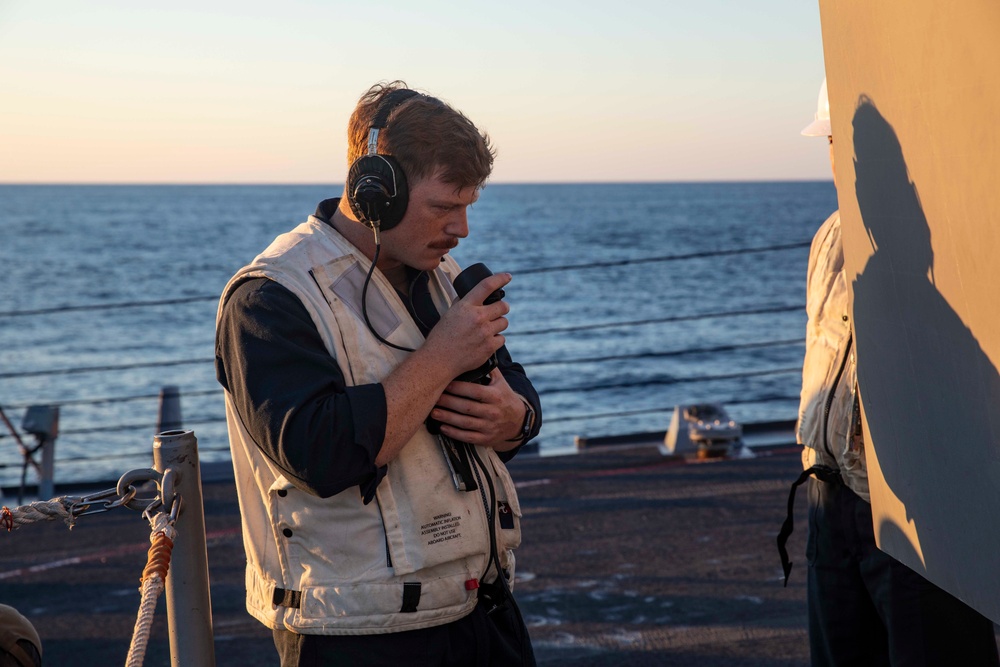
[529,420]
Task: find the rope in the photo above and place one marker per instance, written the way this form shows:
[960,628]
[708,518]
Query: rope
[152,584]
[40,510]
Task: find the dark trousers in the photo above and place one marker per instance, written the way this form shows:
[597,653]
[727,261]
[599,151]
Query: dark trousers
[866,608]
[477,640]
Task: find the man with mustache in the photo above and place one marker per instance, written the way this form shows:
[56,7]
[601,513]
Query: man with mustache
[371,411]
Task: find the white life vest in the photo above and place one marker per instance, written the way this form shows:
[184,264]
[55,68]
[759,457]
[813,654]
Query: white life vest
[411,558]
[829,371]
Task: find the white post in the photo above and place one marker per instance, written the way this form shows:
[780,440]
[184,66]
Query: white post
[189,603]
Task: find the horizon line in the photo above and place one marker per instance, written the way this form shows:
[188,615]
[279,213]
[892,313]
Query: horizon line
[338,184]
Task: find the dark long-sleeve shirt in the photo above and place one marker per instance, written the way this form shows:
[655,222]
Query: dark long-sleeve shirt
[292,396]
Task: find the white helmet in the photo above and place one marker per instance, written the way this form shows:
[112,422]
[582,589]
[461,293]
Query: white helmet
[820,127]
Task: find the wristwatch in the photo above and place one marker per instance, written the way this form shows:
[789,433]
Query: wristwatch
[529,421]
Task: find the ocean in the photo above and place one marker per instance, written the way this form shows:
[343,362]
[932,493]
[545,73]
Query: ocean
[627,299]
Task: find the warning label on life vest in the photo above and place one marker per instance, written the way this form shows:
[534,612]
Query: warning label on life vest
[444,527]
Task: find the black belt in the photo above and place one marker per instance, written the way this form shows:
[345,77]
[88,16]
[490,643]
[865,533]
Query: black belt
[823,474]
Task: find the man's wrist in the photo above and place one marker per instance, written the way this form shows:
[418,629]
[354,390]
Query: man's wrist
[527,424]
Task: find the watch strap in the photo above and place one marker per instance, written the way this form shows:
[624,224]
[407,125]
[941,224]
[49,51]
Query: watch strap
[528,423]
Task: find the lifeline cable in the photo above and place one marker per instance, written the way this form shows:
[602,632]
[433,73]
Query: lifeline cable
[665,408]
[669,380]
[666,258]
[668,353]
[528,271]
[544,392]
[531,332]
[122,399]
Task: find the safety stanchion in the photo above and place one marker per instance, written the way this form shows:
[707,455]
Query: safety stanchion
[189,604]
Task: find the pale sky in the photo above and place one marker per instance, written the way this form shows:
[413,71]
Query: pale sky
[115,91]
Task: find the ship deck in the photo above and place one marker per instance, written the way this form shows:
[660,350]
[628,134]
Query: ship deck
[628,558]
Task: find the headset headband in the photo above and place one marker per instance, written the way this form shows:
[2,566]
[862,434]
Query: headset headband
[391,101]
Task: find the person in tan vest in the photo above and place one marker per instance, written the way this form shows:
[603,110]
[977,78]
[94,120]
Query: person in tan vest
[865,607]
[372,405]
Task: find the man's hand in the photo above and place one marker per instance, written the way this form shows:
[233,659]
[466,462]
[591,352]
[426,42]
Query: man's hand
[463,339]
[488,415]
[469,332]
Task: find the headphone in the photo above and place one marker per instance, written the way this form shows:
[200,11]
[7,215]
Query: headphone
[376,185]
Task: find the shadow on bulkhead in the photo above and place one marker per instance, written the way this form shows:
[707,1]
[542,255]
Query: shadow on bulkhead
[931,394]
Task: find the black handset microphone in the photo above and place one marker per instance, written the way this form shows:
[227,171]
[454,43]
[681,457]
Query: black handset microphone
[464,283]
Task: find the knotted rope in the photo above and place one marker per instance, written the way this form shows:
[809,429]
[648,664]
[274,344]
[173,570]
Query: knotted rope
[153,582]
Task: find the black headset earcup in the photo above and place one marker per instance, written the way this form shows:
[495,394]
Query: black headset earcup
[377,191]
